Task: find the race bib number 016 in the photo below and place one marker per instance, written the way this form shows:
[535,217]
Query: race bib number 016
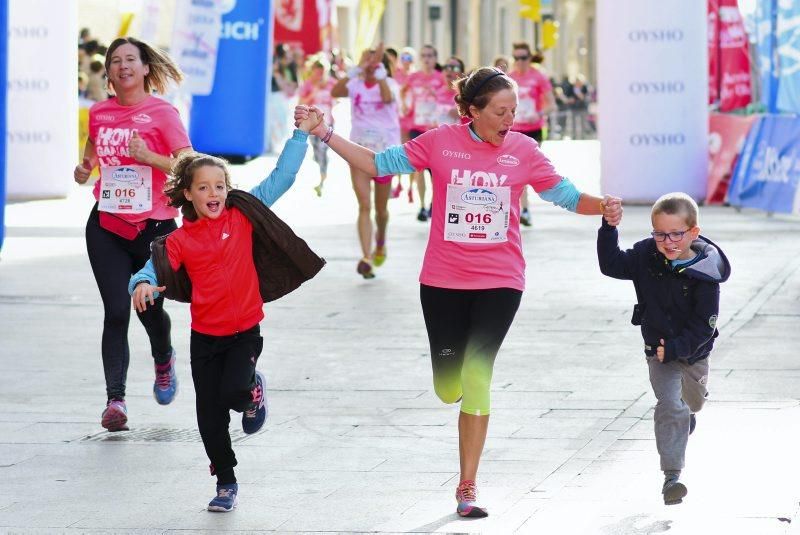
[126,189]
[477,214]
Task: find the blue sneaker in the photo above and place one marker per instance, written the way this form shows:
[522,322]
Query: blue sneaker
[166,384]
[253,419]
[226,498]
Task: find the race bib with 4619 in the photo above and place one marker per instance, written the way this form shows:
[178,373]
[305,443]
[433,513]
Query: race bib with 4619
[126,189]
[477,214]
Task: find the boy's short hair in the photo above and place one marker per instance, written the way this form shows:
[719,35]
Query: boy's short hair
[677,203]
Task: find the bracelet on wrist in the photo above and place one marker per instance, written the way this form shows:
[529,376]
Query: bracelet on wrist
[328,134]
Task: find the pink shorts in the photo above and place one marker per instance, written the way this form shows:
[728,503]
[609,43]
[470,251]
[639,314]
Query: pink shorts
[387,179]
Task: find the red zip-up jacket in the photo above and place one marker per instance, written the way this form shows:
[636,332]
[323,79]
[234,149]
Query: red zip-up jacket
[218,257]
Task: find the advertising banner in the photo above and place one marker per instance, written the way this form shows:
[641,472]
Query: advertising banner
[713,51]
[305,24]
[768,170]
[195,41]
[230,120]
[653,82]
[766,24]
[42,92]
[788,43]
[3,71]
[727,135]
[734,58]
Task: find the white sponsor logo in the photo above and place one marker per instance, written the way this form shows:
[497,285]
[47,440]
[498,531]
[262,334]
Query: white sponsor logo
[774,167]
[508,160]
[142,118]
[225,235]
[104,117]
[455,154]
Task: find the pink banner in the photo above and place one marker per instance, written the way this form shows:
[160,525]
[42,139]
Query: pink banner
[727,134]
[734,58]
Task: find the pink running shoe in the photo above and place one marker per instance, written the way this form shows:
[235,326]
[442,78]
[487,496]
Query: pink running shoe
[397,190]
[115,417]
[467,496]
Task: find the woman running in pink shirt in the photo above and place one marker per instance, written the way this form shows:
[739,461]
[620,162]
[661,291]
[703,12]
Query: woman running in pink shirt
[473,273]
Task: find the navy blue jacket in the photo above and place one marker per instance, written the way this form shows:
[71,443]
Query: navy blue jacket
[678,305]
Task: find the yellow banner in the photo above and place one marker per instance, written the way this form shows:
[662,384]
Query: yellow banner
[125,24]
[369,16]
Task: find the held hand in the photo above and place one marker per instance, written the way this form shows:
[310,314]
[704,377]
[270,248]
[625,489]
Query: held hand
[612,209]
[144,293]
[315,119]
[660,351]
[82,172]
[137,148]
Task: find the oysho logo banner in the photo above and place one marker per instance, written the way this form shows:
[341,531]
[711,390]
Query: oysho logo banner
[42,108]
[652,60]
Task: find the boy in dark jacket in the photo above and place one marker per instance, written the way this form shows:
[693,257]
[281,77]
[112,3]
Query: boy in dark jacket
[676,274]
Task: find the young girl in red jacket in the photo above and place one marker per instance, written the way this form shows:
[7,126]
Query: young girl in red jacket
[219,261]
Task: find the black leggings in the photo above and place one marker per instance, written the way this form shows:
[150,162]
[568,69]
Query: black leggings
[114,259]
[224,374]
[466,329]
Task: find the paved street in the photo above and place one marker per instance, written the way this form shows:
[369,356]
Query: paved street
[356,440]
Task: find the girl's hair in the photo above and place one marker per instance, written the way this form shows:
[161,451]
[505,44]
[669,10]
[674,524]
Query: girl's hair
[479,87]
[162,68]
[677,203]
[182,175]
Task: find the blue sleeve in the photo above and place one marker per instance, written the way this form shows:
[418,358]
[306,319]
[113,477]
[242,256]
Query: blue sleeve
[146,274]
[282,177]
[393,161]
[563,194]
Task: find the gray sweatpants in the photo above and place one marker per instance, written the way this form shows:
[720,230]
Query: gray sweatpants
[680,389]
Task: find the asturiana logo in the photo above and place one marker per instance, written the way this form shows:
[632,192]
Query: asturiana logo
[508,160]
[142,118]
[479,196]
[125,174]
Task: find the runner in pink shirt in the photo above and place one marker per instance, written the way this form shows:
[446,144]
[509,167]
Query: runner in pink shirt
[420,94]
[473,273]
[446,110]
[375,123]
[133,138]
[316,91]
[405,66]
[536,100]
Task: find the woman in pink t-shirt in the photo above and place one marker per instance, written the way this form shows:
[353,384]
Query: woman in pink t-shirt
[133,138]
[316,91]
[473,273]
[375,124]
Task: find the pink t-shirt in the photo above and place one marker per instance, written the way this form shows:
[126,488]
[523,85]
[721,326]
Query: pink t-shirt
[533,89]
[446,106]
[421,98]
[320,96]
[476,189]
[158,124]
[375,124]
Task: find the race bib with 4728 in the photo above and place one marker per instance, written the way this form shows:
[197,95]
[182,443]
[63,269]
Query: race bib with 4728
[126,189]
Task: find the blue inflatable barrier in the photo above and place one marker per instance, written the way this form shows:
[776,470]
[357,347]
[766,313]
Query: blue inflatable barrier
[767,174]
[3,75]
[230,120]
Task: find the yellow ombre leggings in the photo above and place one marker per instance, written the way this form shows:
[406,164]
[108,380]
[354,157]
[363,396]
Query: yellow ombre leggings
[466,329]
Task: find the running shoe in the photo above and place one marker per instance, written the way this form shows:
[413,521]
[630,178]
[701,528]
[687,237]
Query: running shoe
[422,215]
[525,218]
[397,190]
[379,255]
[673,490]
[115,416]
[166,384]
[318,189]
[467,496]
[254,418]
[226,498]
[364,268]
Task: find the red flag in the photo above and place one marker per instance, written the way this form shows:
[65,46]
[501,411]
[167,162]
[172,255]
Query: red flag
[304,23]
[713,51]
[726,137]
[734,58]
